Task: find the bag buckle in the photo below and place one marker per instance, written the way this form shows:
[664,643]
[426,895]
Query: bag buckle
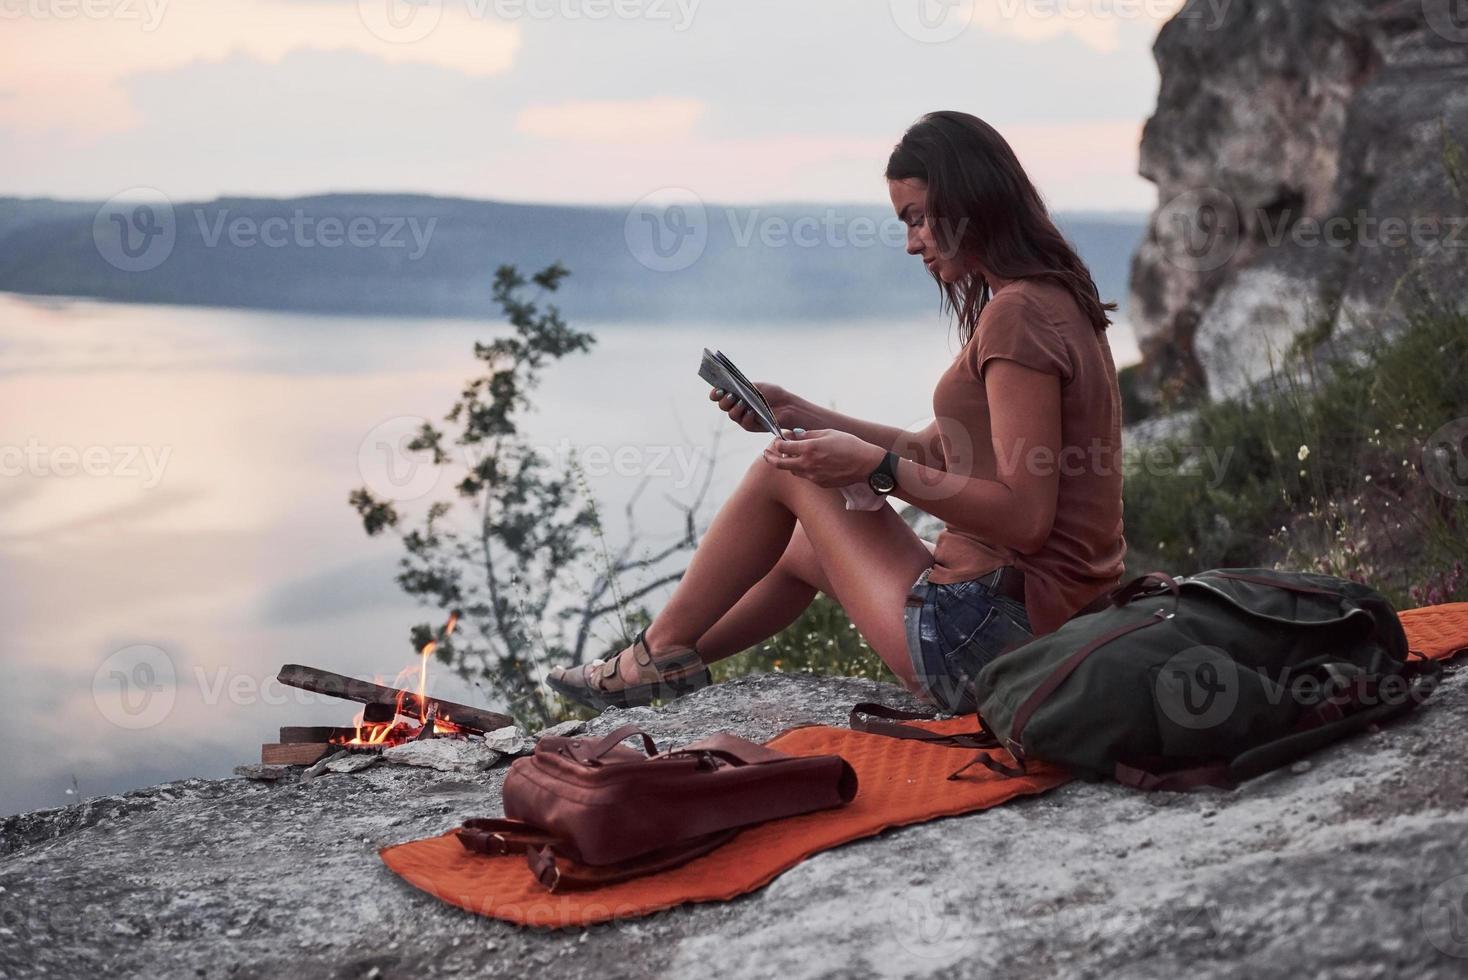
[543,865]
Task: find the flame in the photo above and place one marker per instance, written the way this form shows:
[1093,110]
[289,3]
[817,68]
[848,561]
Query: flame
[423,657]
[400,730]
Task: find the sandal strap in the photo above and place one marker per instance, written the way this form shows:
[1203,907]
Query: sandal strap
[676,665]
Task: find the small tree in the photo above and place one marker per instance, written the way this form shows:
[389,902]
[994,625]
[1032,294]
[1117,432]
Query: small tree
[510,566]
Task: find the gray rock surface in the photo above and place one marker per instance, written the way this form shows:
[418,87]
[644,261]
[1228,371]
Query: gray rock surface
[1351,867]
[1299,156]
[352,763]
[510,740]
[565,728]
[443,754]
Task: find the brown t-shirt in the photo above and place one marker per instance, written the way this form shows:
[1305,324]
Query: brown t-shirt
[1037,323]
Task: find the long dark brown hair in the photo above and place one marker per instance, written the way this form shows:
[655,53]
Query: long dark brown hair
[981,203]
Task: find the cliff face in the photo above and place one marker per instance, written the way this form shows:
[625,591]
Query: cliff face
[1304,153]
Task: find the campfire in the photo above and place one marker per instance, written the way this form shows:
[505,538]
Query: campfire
[389,716]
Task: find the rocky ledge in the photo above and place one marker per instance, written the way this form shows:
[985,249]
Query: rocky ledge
[1354,864]
[1308,156]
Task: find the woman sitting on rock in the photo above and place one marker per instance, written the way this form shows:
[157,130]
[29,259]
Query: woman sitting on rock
[1022,464]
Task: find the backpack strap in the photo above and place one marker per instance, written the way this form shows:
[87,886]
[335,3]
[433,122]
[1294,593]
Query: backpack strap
[983,740]
[1271,755]
[1283,751]
[554,869]
[1058,676]
[486,835]
[1176,780]
[877,719]
[1287,586]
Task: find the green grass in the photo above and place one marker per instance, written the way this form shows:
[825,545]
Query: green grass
[822,641]
[1324,470]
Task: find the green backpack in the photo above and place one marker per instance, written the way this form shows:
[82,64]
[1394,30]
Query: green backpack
[1203,680]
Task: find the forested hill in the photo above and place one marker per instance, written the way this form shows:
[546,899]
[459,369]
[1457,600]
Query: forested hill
[419,255]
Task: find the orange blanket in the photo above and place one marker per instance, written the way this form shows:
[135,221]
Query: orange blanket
[901,782]
[1437,632]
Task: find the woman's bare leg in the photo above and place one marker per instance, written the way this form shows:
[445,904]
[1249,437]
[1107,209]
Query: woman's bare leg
[775,601]
[869,560]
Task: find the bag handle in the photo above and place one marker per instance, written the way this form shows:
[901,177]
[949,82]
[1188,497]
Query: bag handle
[553,869]
[732,748]
[1140,585]
[589,753]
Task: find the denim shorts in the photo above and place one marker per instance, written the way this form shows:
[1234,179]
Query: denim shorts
[954,631]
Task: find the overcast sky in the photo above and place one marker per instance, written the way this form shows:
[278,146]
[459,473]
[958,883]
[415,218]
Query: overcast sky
[587,101]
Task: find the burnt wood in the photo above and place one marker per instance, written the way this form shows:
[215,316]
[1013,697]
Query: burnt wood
[475,720]
[299,754]
[378,714]
[306,734]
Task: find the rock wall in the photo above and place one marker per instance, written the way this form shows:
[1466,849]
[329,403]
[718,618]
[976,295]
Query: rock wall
[1304,156]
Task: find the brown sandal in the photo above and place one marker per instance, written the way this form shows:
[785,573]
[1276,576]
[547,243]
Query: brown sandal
[600,684]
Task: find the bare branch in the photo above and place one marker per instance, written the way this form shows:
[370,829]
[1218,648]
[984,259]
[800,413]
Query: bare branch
[593,609]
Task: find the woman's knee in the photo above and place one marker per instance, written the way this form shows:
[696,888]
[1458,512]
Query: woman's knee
[793,491]
[762,474]
[762,469]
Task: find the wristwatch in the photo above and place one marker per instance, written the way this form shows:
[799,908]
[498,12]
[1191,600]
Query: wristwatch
[883,479]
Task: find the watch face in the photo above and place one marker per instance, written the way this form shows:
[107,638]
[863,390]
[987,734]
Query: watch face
[882,483]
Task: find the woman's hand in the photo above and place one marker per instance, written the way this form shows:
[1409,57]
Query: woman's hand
[825,457]
[791,411]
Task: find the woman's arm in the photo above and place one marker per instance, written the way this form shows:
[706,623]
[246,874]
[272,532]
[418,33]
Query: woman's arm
[795,412]
[1017,507]
[923,446]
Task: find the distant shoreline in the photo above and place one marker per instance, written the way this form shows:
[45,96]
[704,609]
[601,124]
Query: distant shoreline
[416,255]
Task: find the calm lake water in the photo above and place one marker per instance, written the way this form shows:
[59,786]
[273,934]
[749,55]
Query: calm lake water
[173,503]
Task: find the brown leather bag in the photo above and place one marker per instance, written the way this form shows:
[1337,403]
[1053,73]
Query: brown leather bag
[591,811]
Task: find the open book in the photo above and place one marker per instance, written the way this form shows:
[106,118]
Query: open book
[720,372]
